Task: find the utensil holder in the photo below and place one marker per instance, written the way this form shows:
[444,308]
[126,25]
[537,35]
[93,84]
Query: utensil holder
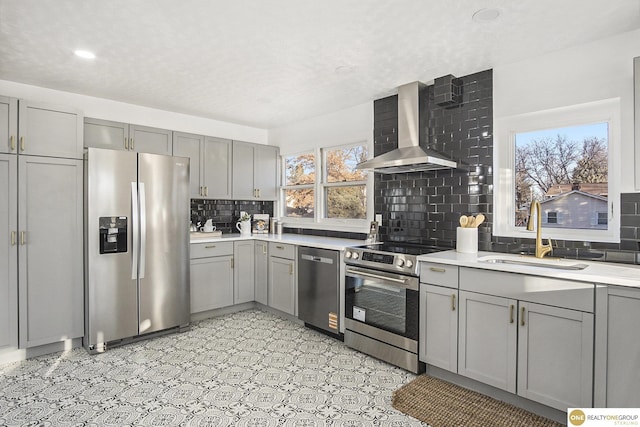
[467,240]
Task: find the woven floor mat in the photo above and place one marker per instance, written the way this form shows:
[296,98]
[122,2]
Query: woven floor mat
[442,404]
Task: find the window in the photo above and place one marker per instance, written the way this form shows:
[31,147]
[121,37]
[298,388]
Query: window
[345,188]
[338,196]
[299,188]
[602,218]
[565,159]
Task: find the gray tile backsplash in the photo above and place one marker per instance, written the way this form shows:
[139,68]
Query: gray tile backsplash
[225,213]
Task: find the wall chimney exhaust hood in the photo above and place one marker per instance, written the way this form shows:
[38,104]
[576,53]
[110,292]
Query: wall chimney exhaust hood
[409,156]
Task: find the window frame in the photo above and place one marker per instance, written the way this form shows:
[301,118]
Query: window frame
[320,221]
[506,128]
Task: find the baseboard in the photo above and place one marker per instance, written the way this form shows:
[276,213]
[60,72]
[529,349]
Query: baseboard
[20,354]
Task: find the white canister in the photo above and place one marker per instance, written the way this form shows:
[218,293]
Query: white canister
[467,240]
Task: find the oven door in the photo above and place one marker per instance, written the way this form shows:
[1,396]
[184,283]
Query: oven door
[383,300]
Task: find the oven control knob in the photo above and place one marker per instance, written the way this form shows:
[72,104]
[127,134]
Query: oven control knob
[355,255]
[400,262]
[408,264]
[347,254]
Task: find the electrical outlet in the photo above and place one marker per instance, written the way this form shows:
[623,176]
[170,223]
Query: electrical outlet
[379,219]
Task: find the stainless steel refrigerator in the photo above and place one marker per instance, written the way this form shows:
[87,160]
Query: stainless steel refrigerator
[136,245]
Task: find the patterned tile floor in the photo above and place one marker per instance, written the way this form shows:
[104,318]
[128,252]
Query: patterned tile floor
[250,368]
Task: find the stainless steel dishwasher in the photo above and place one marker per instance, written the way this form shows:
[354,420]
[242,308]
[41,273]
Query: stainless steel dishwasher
[319,288]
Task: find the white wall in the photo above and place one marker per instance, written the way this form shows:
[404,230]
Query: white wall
[590,72]
[346,126]
[129,113]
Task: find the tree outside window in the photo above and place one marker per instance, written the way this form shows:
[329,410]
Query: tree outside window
[341,190]
[566,170]
[300,177]
[345,187]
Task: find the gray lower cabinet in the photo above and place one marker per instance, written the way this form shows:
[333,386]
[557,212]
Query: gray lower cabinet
[243,272]
[211,276]
[487,339]
[49,130]
[122,136]
[282,292]
[50,241]
[541,351]
[261,272]
[438,343]
[210,164]
[8,252]
[255,171]
[8,125]
[618,349]
[439,326]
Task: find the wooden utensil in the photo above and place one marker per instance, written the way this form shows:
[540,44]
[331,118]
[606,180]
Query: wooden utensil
[471,223]
[463,221]
[479,219]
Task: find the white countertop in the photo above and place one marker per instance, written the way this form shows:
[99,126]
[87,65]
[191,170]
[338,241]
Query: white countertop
[595,272]
[294,239]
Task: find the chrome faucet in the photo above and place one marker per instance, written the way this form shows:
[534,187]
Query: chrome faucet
[541,248]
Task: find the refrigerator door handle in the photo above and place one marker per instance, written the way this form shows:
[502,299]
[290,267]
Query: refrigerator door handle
[134,230]
[143,230]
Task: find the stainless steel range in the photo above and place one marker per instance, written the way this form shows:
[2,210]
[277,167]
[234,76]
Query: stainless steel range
[382,302]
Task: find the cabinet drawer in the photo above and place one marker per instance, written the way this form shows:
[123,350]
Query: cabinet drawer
[204,250]
[282,250]
[439,274]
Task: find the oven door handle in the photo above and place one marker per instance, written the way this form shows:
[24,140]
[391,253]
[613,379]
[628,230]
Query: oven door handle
[376,276]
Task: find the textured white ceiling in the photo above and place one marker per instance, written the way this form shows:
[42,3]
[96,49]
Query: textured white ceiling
[266,63]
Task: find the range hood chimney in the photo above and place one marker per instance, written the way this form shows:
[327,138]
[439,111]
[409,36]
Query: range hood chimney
[409,156]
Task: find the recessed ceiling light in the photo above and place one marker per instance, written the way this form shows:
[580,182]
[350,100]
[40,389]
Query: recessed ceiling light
[485,15]
[85,54]
[343,70]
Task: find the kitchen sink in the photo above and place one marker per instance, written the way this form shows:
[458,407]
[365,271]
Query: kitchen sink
[554,263]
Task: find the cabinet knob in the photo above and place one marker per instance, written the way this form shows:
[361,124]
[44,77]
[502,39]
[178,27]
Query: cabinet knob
[23,238]
[511,308]
[13,238]
[437,269]
[453,302]
[131,144]
[210,246]
[522,316]
[126,143]
[12,143]
[22,143]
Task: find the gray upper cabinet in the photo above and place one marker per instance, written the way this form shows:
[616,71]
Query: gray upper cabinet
[210,164]
[8,125]
[188,145]
[216,168]
[50,250]
[255,171]
[106,134]
[8,252]
[122,136]
[46,130]
[144,139]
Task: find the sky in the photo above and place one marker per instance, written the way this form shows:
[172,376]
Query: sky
[573,133]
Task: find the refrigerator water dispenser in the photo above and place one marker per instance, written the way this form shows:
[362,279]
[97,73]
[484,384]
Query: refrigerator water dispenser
[113,234]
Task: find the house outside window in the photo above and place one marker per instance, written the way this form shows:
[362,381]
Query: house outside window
[322,188]
[566,160]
